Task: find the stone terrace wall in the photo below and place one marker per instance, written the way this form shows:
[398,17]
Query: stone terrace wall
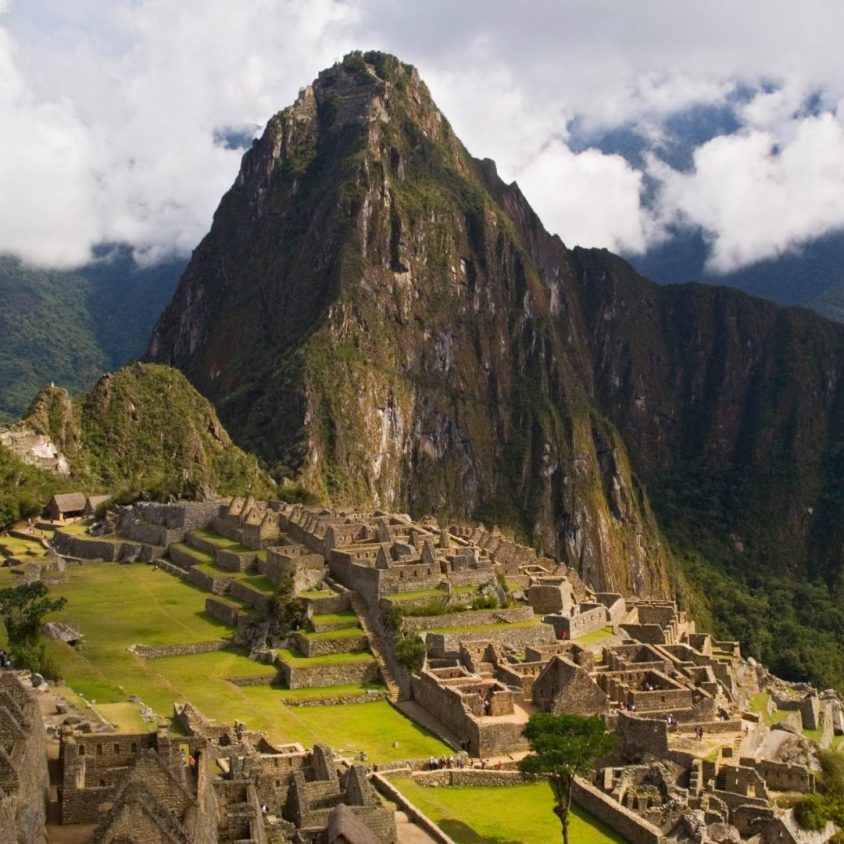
[627,824]
[91,548]
[25,787]
[159,651]
[345,674]
[322,647]
[246,593]
[461,619]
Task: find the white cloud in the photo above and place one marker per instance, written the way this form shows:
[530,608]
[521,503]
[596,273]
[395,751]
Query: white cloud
[757,195]
[108,107]
[594,199]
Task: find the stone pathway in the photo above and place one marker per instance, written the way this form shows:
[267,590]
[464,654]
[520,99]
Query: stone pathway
[375,644]
[408,832]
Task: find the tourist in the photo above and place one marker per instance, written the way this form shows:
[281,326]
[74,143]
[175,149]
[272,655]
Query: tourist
[699,732]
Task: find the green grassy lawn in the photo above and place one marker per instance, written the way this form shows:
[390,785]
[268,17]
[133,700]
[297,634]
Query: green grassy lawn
[77,528]
[759,705]
[517,814]
[214,538]
[344,633]
[297,659]
[429,593]
[347,617]
[200,556]
[15,547]
[256,581]
[595,636]
[118,605]
[473,628]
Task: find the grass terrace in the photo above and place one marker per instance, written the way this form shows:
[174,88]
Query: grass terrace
[479,628]
[256,581]
[343,633]
[199,556]
[13,546]
[347,617]
[428,593]
[296,659]
[214,538]
[315,594]
[79,528]
[595,637]
[118,605]
[516,814]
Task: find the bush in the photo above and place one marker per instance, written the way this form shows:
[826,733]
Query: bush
[410,652]
[34,658]
[811,812]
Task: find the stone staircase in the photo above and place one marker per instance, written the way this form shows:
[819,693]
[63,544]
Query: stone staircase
[376,644]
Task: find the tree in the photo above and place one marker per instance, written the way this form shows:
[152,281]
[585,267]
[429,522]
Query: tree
[564,746]
[23,607]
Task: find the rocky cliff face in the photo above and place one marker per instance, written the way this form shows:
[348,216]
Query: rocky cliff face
[368,314]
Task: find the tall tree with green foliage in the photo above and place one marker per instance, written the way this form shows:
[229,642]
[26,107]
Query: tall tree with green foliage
[564,746]
[22,608]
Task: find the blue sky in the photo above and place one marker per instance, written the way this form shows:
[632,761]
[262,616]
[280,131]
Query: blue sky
[109,110]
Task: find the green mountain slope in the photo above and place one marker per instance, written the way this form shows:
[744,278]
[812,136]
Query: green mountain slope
[142,429]
[380,317]
[71,327]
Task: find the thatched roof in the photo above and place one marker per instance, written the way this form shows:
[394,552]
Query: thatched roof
[69,502]
[344,826]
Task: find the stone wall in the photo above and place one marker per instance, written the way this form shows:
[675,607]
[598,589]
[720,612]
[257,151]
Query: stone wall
[232,561]
[217,585]
[472,777]
[627,824]
[248,594]
[91,548]
[469,617]
[443,645]
[344,674]
[159,651]
[322,647]
[329,604]
[24,781]
[780,776]
[638,736]
[571,626]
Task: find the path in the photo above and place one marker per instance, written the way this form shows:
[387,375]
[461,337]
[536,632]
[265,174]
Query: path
[408,832]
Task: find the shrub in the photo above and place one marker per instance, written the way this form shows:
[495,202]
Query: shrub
[410,652]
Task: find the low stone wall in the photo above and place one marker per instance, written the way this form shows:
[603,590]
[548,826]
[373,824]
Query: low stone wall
[471,777]
[254,680]
[231,561]
[469,617]
[91,548]
[181,558]
[733,726]
[158,651]
[324,606]
[627,824]
[323,647]
[249,595]
[229,614]
[571,626]
[217,585]
[171,569]
[345,674]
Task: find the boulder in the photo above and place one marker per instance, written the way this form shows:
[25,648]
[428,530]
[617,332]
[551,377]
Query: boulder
[36,679]
[61,631]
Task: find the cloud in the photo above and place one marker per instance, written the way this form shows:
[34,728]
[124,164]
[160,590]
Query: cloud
[111,110]
[758,194]
[595,200]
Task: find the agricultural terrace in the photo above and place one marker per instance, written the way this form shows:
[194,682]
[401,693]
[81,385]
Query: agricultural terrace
[116,606]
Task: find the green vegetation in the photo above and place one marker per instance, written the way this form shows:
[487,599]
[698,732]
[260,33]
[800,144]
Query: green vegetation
[329,635]
[563,747]
[119,605]
[24,490]
[345,617]
[71,327]
[814,810]
[296,659]
[794,627]
[517,814]
[595,636]
[22,608]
